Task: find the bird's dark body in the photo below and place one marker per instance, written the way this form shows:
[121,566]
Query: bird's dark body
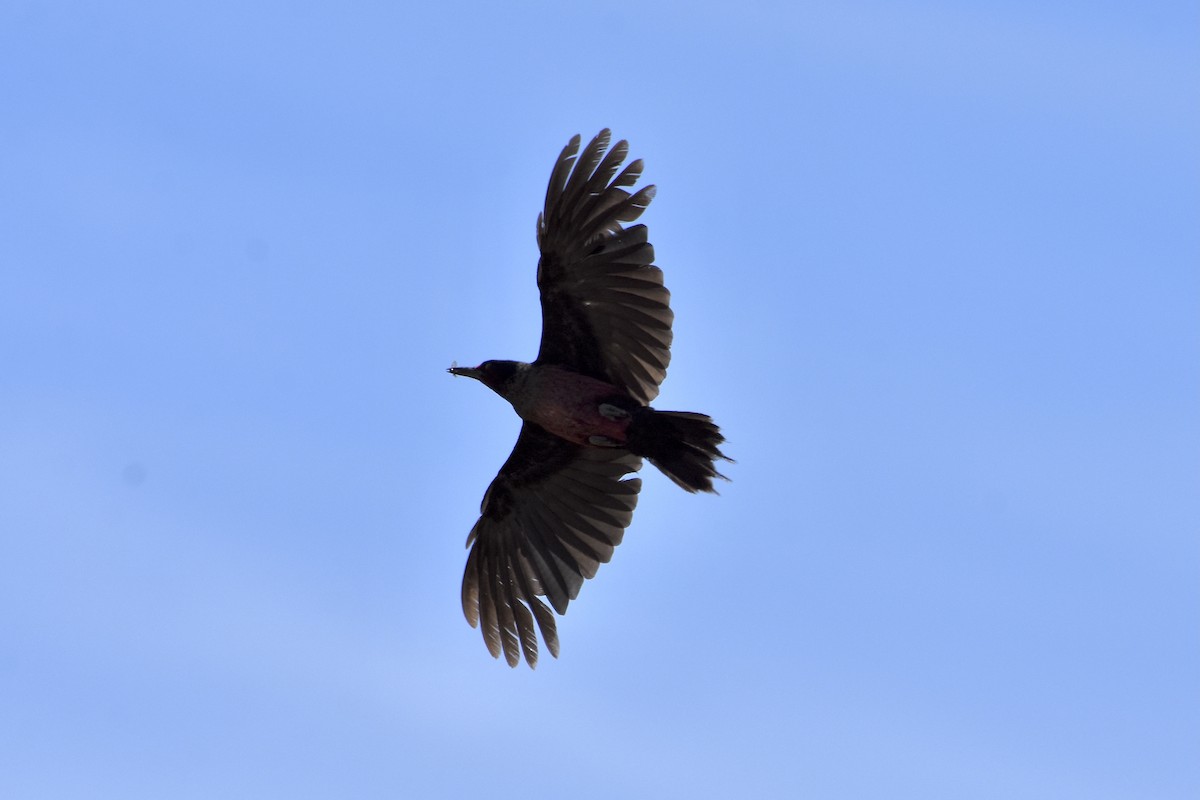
[560,504]
[567,404]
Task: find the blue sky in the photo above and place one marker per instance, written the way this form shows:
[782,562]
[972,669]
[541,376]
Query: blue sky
[936,272]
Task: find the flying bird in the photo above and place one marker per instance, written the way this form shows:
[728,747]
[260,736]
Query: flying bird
[562,500]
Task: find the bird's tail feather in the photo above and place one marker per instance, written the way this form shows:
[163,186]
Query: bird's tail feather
[684,445]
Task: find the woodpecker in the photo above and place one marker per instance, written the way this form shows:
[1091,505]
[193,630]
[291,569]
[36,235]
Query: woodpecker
[561,502]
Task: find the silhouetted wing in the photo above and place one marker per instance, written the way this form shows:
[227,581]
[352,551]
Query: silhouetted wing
[605,311]
[549,520]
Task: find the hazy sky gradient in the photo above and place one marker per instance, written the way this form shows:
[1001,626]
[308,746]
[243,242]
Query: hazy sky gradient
[936,272]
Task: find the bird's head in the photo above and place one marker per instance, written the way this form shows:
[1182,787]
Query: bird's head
[493,374]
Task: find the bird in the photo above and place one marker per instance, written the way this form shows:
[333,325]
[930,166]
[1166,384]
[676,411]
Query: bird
[561,502]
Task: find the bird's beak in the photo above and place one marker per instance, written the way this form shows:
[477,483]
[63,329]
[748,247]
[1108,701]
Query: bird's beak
[469,372]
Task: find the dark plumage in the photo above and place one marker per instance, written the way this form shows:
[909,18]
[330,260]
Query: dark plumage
[562,501]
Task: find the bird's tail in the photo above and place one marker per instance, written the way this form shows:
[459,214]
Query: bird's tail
[682,444]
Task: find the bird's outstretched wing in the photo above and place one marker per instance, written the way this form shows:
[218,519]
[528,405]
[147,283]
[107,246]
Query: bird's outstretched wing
[549,519]
[605,311]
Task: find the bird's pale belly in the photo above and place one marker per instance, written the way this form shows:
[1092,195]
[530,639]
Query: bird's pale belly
[567,404]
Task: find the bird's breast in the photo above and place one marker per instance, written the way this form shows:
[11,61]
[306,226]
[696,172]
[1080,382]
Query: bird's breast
[567,404]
